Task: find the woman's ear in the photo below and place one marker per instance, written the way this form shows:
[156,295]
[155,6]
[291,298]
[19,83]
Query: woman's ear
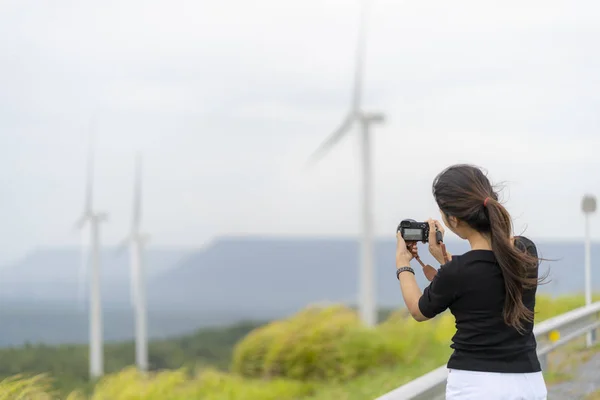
[453,221]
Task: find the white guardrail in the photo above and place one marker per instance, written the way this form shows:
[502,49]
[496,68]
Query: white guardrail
[550,334]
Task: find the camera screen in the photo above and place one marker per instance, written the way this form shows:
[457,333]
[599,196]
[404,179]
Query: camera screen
[413,234]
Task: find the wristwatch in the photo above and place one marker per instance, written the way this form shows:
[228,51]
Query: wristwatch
[402,269]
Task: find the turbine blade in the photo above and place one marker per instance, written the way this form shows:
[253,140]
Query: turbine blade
[356,92]
[333,138]
[360,58]
[80,223]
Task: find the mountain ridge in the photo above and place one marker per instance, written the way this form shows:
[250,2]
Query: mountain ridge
[232,278]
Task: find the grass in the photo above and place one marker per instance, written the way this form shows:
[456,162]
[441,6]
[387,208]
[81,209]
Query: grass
[68,364]
[562,365]
[376,382]
[303,360]
[564,362]
[593,396]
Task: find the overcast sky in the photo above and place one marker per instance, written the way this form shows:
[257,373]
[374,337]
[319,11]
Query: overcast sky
[228,98]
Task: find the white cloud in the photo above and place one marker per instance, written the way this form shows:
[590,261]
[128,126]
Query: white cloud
[229,98]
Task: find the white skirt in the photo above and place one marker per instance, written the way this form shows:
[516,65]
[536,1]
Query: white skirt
[472,385]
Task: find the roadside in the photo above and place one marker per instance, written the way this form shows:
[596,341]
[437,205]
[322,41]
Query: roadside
[574,374]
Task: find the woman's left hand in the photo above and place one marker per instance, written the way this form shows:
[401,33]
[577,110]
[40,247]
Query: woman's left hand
[403,254]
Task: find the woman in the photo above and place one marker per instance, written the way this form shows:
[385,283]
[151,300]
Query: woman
[490,290]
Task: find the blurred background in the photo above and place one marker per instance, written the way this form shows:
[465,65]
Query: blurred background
[226,100]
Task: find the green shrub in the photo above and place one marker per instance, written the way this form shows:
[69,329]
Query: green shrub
[250,353]
[318,354]
[26,388]
[317,343]
[208,384]
[359,350]
[214,385]
[310,348]
[129,384]
[548,307]
[331,344]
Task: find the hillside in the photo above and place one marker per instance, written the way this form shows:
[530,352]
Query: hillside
[68,364]
[52,275]
[35,323]
[267,278]
[232,279]
[321,353]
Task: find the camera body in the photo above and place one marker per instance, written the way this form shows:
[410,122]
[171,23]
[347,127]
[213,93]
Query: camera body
[413,231]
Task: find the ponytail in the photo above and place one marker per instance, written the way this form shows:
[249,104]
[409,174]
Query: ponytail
[518,267]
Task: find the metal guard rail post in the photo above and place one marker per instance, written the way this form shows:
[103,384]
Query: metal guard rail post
[549,334]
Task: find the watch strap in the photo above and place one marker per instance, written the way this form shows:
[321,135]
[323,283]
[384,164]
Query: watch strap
[402,269]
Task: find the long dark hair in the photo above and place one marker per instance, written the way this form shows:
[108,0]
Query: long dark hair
[461,191]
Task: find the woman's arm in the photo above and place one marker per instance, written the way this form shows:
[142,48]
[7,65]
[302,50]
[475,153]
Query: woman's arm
[408,283]
[436,297]
[411,295]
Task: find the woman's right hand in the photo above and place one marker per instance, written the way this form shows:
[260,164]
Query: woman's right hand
[435,248]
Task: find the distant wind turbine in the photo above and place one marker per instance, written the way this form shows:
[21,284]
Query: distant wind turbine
[356,115]
[93,218]
[136,241]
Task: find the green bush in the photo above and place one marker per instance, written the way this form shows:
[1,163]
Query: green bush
[32,388]
[331,344]
[359,350]
[304,346]
[68,364]
[310,348]
[208,384]
[250,353]
[214,385]
[317,354]
[548,307]
[411,340]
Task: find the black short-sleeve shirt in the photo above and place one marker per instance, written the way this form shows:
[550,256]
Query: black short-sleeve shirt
[472,287]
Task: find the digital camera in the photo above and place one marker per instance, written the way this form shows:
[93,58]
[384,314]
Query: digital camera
[413,231]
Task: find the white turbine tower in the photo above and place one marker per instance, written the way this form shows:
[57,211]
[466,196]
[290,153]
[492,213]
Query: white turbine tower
[136,242]
[93,219]
[356,115]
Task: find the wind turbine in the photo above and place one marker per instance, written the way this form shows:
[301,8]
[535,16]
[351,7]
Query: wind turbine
[136,241]
[357,116]
[93,219]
